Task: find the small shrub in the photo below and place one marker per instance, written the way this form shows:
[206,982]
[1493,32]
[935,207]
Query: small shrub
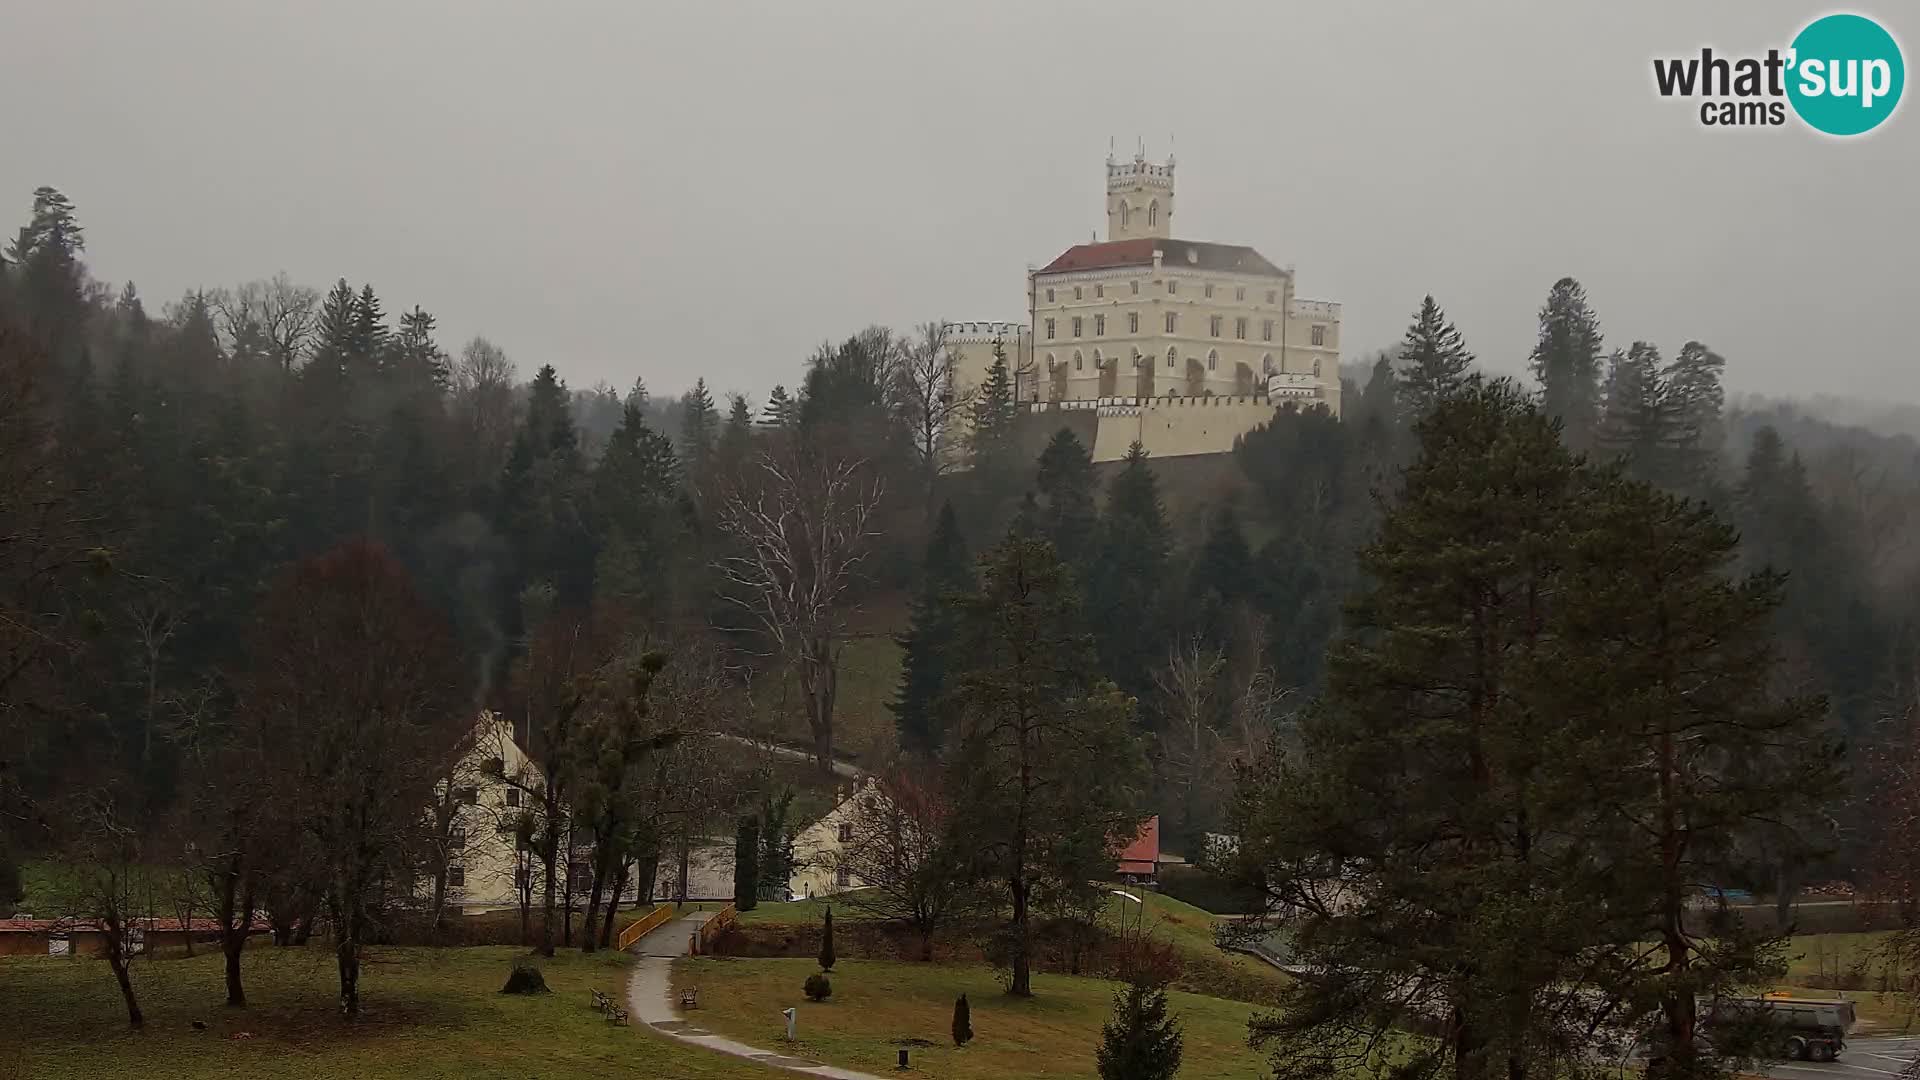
[817,987]
[962,1021]
[526,979]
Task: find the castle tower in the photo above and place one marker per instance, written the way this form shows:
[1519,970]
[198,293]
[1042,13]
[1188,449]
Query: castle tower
[1139,198]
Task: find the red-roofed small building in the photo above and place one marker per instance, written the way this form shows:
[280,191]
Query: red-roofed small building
[1140,859]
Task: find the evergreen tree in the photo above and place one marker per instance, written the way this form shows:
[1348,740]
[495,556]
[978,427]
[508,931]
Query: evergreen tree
[546,507]
[736,437]
[334,342]
[1065,483]
[826,941]
[1140,1042]
[782,411]
[366,353]
[1127,580]
[1434,361]
[1045,772]
[1439,778]
[48,282]
[746,863]
[962,1021]
[699,427]
[1222,576]
[992,446]
[640,526]
[1566,362]
[926,645]
[1664,419]
[420,364]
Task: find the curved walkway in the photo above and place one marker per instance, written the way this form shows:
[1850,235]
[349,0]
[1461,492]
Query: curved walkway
[650,1000]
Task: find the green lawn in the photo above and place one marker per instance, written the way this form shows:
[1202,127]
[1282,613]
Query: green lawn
[1187,928]
[428,1014]
[875,1005]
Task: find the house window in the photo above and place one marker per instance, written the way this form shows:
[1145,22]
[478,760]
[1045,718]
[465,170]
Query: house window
[1266,330]
[1079,364]
[1172,286]
[1319,335]
[1133,322]
[1076,292]
[1209,290]
[1076,326]
[513,796]
[457,877]
[468,795]
[1099,291]
[1171,357]
[457,836]
[1273,296]
[846,832]
[1239,292]
[495,767]
[1049,296]
[1240,329]
[1049,329]
[1170,317]
[1136,287]
[1213,359]
[1099,326]
[1213,326]
[841,878]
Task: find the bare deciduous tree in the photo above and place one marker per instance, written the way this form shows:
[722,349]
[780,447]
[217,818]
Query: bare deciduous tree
[930,401]
[274,316]
[802,524]
[899,847]
[1189,745]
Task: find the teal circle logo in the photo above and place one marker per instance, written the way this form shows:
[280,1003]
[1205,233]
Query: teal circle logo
[1845,74]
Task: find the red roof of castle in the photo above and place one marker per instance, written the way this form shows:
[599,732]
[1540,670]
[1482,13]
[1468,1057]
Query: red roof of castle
[1233,258]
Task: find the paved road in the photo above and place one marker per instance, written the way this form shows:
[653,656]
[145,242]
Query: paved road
[840,768]
[1863,1059]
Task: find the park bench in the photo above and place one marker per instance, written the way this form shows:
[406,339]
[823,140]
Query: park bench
[616,1014]
[689,997]
[600,1001]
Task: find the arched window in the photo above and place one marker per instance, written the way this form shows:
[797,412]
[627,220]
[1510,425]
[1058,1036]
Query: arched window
[1153,214]
[1213,359]
[1078,364]
[1316,367]
[1136,359]
[1096,358]
[1051,362]
[1266,364]
[1172,356]
[1126,213]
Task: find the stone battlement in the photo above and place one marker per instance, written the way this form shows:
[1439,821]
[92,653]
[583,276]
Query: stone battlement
[959,332]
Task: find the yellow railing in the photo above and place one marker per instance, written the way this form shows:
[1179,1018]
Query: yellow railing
[645,925]
[714,927]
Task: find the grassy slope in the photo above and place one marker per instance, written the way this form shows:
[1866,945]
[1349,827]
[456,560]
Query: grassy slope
[429,1014]
[876,1004]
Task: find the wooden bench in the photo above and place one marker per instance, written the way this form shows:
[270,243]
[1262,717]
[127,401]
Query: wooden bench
[600,1001]
[689,997]
[616,1014]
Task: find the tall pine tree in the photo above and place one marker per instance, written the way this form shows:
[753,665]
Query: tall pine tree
[1127,581]
[927,644]
[1566,362]
[1434,361]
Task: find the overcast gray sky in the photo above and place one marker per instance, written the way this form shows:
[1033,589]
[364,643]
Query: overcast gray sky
[714,187]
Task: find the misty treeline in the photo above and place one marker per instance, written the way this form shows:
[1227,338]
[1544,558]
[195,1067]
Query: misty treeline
[208,513]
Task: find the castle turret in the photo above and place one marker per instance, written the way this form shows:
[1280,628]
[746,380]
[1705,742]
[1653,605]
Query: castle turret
[1139,198]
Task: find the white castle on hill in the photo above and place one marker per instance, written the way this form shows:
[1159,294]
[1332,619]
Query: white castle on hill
[1183,345]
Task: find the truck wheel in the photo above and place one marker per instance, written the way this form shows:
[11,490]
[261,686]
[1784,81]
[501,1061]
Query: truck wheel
[1821,1051]
[1796,1049]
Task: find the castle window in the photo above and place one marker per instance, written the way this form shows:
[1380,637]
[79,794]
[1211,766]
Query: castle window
[1136,287]
[1153,214]
[1076,292]
[1171,316]
[1136,359]
[1172,356]
[1266,330]
[1126,212]
[1316,367]
[1076,326]
[1049,329]
[1172,286]
[1240,329]
[1240,292]
[1078,363]
[1049,296]
[1099,326]
[1133,322]
[1209,290]
[1213,326]
[1099,291]
[1266,364]
[457,836]
[1213,359]
[1319,335]
[1272,296]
